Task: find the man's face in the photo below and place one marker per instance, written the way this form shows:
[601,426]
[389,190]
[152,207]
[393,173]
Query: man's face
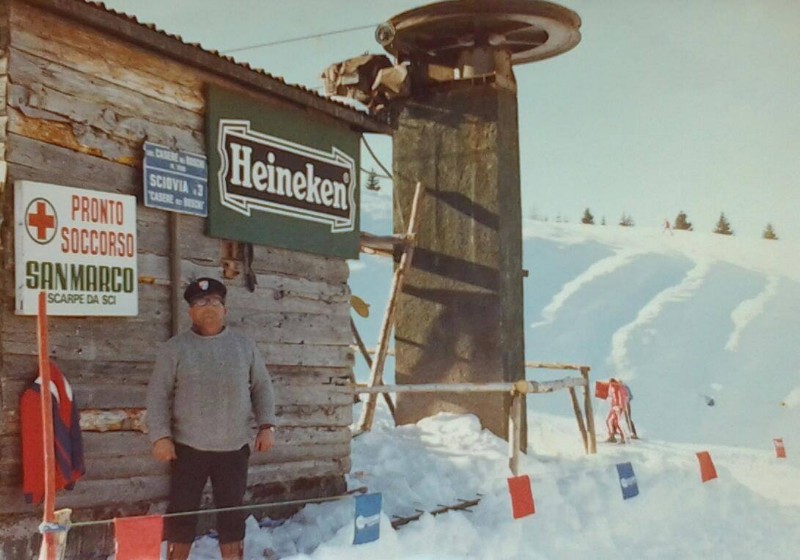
[208,313]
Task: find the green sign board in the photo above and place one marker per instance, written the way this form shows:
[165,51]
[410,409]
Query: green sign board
[278,176]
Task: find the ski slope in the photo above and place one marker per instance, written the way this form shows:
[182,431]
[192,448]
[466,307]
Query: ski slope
[679,317]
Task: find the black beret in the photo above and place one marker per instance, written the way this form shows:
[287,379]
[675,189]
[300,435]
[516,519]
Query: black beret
[203,287]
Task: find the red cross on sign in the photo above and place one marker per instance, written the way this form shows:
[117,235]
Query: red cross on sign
[41,219]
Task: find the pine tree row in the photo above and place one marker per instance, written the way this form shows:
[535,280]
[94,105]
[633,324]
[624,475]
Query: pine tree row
[682,223]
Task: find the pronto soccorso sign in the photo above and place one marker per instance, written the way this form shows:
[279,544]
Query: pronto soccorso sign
[280,177]
[78,246]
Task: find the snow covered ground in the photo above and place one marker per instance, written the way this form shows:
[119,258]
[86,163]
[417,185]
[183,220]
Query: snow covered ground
[682,318]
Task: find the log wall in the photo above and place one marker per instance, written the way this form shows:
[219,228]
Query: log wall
[75,109]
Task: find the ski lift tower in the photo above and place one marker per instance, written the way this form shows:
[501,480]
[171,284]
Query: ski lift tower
[460,316]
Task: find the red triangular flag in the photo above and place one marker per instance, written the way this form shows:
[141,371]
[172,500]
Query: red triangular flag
[138,538]
[780,450]
[601,390]
[707,470]
[521,496]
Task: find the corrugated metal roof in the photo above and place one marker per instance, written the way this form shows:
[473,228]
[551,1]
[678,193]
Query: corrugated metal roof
[128,27]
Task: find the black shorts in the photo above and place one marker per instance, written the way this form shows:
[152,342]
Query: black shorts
[190,471]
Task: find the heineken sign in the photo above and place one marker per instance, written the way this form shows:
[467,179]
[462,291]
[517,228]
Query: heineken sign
[78,246]
[262,172]
[280,177]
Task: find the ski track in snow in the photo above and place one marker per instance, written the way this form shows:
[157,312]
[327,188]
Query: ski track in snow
[619,341]
[600,268]
[749,310]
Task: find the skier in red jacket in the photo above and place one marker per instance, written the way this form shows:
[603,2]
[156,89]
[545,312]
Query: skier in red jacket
[619,405]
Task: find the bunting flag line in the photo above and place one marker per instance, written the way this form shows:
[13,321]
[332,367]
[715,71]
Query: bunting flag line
[367,521]
[521,496]
[707,470]
[780,450]
[627,481]
[138,538]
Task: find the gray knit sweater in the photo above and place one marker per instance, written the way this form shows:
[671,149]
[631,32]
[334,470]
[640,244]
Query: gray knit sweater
[205,389]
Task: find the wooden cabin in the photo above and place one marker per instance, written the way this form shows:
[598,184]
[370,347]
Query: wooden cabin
[83,90]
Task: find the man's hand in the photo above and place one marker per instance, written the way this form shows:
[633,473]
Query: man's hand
[164,450]
[264,440]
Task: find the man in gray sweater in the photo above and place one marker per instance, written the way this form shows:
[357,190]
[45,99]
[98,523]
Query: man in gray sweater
[206,383]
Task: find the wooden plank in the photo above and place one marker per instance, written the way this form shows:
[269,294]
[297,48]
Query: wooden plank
[86,51]
[109,468]
[94,493]
[151,231]
[292,328]
[99,445]
[105,338]
[81,97]
[300,265]
[62,134]
[39,161]
[141,347]
[112,396]
[313,415]
[277,284]
[307,355]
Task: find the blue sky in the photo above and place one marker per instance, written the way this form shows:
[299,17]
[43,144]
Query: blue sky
[664,106]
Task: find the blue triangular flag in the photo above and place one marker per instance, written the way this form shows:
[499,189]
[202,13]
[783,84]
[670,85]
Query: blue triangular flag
[627,480]
[367,520]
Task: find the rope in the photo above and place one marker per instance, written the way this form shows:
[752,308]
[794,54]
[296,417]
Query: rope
[56,528]
[295,39]
[388,176]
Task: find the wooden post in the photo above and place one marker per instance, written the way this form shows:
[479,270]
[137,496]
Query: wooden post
[364,352]
[514,432]
[376,372]
[587,405]
[62,518]
[48,549]
[175,270]
[579,416]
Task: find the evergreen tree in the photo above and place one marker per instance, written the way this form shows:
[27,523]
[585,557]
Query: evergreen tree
[769,233]
[681,222]
[723,225]
[626,221]
[372,183]
[587,218]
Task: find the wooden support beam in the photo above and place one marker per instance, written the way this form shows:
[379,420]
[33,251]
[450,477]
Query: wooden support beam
[114,420]
[520,386]
[579,417]
[384,245]
[463,505]
[587,405]
[363,349]
[515,432]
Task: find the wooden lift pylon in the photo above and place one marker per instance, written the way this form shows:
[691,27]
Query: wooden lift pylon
[388,245]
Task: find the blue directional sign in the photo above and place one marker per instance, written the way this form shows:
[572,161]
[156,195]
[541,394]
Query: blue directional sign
[627,481]
[367,520]
[175,181]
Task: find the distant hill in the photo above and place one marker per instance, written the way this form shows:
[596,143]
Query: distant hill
[683,317]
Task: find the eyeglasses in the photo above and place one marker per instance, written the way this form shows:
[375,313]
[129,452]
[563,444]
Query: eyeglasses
[207,302]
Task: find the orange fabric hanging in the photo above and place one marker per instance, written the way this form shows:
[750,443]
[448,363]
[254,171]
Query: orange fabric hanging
[707,470]
[521,496]
[138,538]
[68,442]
